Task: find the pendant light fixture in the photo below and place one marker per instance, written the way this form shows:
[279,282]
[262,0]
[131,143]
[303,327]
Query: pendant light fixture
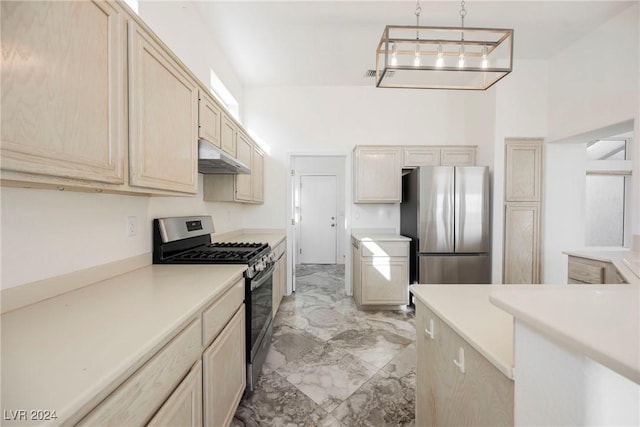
[443,57]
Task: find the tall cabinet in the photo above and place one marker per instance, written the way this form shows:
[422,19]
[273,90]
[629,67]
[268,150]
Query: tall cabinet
[522,211]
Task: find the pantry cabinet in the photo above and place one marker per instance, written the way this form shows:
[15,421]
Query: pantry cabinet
[163,108]
[380,272]
[63,90]
[522,259]
[455,384]
[377,174]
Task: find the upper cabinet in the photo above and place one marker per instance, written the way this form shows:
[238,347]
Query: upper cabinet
[63,90]
[209,119]
[377,169]
[163,109]
[523,172]
[377,174]
[228,135]
[244,151]
[243,188]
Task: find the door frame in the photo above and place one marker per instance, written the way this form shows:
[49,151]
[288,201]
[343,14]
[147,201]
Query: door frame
[290,209]
[298,182]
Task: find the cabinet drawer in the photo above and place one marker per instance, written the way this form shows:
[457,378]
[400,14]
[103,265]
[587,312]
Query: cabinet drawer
[586,273]
[385,249]
[218,314]
[140,396]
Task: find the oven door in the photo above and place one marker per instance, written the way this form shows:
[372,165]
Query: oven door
[259,314]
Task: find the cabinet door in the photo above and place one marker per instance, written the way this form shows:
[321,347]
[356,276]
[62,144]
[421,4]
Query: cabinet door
[420,156]
[356,269]
[521,243]
[257,176]
[209,119]
[523,171]
[225,372]
[277,285]
[458,156]
[228,136]
[163,108]
[63,93]
[446,396]
[378,174]
[184,406]
[244,150]
[385,281]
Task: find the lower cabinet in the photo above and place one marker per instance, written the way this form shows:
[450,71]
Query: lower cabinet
[380,274]
[225,372]
[184,406]
[455,384]
[589,271]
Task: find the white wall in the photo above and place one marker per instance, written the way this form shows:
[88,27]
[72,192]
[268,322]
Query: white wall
[595,83]
[520,111]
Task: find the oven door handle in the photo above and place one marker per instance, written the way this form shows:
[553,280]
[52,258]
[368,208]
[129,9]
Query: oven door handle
[262,277]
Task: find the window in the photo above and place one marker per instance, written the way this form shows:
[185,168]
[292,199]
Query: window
[608,193]
[223,95]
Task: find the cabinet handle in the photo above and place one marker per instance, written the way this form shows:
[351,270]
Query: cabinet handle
[460,362]
[429,331]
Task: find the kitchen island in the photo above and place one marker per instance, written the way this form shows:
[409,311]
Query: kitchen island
[465,357]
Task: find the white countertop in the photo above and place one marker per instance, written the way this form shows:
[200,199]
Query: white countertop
[380,237]
[601,322]
[625,261]
[67,353]
[466,309]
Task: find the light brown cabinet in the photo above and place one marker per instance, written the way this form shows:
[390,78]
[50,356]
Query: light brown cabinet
[243,188]
[184,406]
[163,108]
[458,156]
[224,372]
[521,243]
[438,155]
[455,384]
[243,182]
[415,156]
[209,119]
[522,211]
[377,174]
[63,90]
[591,271]
[523,171]
[228,135]
[380,274]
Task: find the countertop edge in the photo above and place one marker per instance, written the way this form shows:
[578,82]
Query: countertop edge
[566,340]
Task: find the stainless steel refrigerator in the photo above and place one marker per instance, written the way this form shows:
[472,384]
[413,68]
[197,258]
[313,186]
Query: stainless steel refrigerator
[446,212]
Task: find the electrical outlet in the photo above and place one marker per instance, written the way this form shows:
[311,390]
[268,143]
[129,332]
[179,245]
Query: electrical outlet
[132,225]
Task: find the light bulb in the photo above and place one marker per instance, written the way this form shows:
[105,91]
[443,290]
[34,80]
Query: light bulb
[440,57]
[394,55]
[461,58]
[485,61]
[416,60]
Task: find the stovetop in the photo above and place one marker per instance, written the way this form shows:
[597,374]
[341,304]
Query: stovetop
[222,253]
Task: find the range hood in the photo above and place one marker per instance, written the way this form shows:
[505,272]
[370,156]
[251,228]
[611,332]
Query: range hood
[212,160]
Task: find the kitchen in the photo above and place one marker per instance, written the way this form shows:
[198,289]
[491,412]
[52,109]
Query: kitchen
[544,97]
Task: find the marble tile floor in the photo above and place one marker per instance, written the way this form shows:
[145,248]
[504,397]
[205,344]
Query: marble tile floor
[330,364]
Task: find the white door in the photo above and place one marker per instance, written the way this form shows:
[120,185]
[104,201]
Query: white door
[318,219]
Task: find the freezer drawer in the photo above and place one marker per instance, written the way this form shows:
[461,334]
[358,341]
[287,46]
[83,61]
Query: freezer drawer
[457,269]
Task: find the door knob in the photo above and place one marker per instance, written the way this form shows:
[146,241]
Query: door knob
[333,225]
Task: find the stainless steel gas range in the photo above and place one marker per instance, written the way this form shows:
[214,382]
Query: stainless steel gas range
[187,240]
